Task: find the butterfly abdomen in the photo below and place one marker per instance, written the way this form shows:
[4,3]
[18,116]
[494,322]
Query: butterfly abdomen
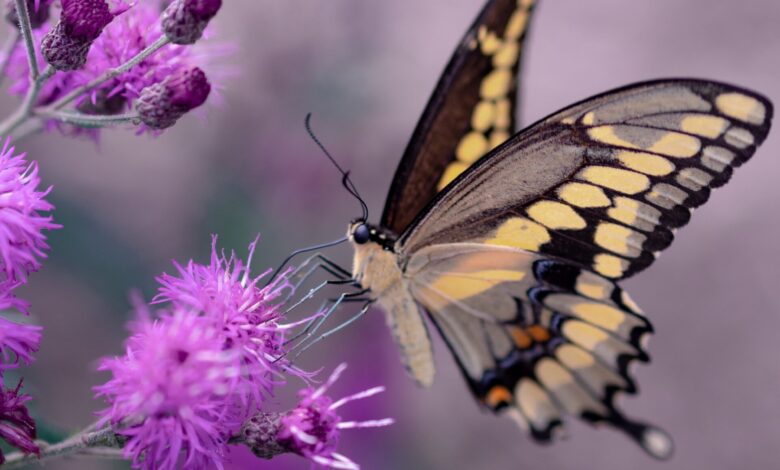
[376,268]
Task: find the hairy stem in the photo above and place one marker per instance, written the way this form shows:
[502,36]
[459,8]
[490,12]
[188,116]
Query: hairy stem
[25,111]
[80,443]
[259,433]
[26,29]
[88,120]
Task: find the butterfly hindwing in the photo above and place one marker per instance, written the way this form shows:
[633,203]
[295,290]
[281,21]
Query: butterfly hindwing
[536,338]
[603,183]
[472,110]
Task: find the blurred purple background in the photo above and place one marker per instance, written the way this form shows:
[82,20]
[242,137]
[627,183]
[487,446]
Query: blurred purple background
[365,69]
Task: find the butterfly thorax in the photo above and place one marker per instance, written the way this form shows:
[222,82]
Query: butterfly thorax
[375,264]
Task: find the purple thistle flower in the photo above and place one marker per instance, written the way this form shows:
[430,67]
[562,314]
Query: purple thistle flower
[130,33]
[162,104]
[18,342]
[225,293]
[22,216]
[66,45]
[169,395]
[16,426]
[184,20]
[39,12]
[313,428]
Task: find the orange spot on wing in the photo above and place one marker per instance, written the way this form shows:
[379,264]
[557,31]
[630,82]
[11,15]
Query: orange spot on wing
[497,396]
[540,334]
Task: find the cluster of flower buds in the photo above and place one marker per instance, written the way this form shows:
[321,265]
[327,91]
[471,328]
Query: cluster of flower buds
[112,57]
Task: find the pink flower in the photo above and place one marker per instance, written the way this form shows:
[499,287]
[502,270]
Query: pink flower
[170,394]
[18,342]
[313,428]
[16,426]
[249,316]
[23,217]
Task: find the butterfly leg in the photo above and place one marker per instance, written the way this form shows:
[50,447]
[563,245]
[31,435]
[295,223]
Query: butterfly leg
[335,329]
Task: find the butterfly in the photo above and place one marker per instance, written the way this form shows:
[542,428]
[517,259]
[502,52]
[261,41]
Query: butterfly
[513,244]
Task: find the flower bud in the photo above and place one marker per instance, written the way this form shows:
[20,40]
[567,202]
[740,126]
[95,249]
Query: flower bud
[39,14]
[162,104]
[259,434]
[65,47]
[184,20]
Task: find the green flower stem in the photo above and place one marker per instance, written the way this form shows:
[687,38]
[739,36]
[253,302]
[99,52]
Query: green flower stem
[26,29]
[109,74]
[102,442]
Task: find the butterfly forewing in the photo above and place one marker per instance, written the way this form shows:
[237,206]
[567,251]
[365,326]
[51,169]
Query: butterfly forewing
[472,110]
[603,183]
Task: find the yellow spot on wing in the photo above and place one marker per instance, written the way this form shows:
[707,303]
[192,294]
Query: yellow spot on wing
[489,41]
[517,23]
[624,181]
[503,114]
[574,357]
[619,239]
[635,213]
[646,163]
[609,265]
[742,107]
[519,232]
[583,195]
[497,138]
[483,116]
[589,118]
[450,173]
[459,286]
[556,215]
[507,55]
[583,334]
[496,84]
[606,135]
[594,291]
[601,315]
[675,144]
[704,125]
[472,146]
[535,403]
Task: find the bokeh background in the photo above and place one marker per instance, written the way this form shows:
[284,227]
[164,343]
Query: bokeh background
[365,69]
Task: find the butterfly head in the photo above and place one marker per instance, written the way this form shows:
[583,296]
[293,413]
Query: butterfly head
[361,232]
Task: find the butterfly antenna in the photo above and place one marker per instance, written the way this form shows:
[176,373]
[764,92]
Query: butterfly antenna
[346,181]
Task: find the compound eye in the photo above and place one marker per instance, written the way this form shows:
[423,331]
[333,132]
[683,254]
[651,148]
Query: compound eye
[361,234]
